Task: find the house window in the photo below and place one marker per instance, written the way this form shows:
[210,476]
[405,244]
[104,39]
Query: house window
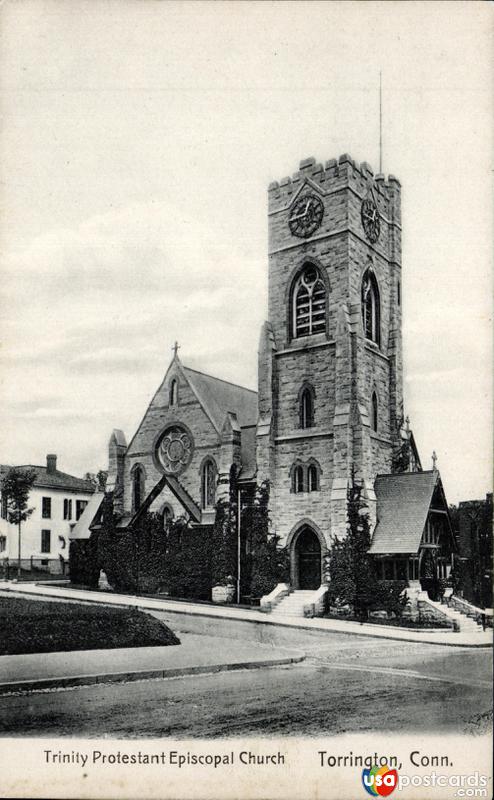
[374,412]
[370,307]
[208,483]
[67,509]
[313,476]
[46,508]
[45,541]
[174,392]
[80,505]
[306,407]
[138,486]
[308,303]
[298,479]
[3,544]
[4,506]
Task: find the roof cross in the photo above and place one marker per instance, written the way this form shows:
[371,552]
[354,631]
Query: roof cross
[175,348]
[407,421]
[434,459]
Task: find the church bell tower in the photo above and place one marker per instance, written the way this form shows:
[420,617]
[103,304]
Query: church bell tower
[330,354]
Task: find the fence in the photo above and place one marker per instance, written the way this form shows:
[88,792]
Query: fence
[33,568]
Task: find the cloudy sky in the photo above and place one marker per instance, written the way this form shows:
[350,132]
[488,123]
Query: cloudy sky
[137,142]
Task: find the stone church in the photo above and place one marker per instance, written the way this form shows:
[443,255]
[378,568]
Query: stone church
[329,399]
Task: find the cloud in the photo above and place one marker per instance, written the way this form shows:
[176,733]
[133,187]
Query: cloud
[89,316]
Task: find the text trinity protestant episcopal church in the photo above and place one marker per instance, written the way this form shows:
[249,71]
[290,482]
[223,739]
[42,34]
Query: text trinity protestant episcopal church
[329,401]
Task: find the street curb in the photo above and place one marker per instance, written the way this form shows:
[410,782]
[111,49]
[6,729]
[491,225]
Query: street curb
[388,635]
[146,674]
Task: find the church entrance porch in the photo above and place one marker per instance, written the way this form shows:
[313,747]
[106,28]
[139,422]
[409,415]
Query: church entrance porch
[306,560]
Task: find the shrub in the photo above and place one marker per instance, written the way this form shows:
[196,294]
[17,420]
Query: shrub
[390,596]
[83,561]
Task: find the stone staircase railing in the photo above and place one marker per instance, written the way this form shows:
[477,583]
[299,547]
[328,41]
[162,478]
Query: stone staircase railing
[316,607]
[464,607]
[269,601]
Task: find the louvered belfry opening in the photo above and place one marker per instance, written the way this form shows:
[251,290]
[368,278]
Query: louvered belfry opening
[309,303]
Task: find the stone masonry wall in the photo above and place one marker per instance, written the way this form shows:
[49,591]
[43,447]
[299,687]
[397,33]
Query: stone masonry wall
[343,368]
[157,417]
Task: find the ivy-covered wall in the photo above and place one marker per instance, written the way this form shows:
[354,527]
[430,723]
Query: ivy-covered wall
[183,560]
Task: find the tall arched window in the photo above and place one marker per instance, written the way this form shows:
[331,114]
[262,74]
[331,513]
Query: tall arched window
[174,392]
[370,307]
[138,486]
[313,477]
[208,483]
[306,407]
[298,479]
[374,412]
[308,303]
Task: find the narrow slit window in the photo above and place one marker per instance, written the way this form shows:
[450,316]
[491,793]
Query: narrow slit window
[375,412]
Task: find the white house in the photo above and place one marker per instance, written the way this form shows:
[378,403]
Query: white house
[59,501]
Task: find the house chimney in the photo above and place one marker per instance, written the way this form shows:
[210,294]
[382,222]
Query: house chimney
[51,463]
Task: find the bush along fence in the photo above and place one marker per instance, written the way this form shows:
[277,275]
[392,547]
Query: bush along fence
[184,560]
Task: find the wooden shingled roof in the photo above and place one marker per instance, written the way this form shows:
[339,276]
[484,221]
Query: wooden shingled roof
[403,503]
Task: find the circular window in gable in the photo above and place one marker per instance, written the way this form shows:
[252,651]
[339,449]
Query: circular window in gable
[174,449]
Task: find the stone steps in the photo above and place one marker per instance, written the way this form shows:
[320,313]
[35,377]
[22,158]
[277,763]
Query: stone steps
[293,604]
[465,624]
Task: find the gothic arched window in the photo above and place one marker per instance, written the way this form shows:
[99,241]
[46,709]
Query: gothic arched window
[298,479]
[374,412]
[138,477]
[370,307]
[174,392]
[308,303]
[208,483]
[313,476]
[306,407]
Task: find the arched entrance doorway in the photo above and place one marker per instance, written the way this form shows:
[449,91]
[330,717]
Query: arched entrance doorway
[307,560]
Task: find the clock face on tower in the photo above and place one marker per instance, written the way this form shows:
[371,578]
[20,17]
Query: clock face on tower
[306,216]
[370,220]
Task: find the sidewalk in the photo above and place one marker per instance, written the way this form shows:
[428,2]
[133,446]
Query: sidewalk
[196,655]
[434,637]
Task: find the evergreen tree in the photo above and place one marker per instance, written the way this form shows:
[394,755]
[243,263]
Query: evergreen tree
[352,574]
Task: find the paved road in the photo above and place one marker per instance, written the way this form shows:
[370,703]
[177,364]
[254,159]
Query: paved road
[346,684]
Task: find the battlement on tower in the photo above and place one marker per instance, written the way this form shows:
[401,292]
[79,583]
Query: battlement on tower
[343,173]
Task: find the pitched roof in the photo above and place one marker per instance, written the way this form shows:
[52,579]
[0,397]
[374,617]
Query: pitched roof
[403,502]
[218,397]
[82,528]
[53,480]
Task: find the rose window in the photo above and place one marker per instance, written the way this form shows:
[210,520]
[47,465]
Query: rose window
[175,449]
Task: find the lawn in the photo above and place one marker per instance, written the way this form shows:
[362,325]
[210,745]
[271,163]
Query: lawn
[37,626]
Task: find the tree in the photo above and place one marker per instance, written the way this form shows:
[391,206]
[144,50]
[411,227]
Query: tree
[267,563]
[352,575]
[16,486]
[98,479]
